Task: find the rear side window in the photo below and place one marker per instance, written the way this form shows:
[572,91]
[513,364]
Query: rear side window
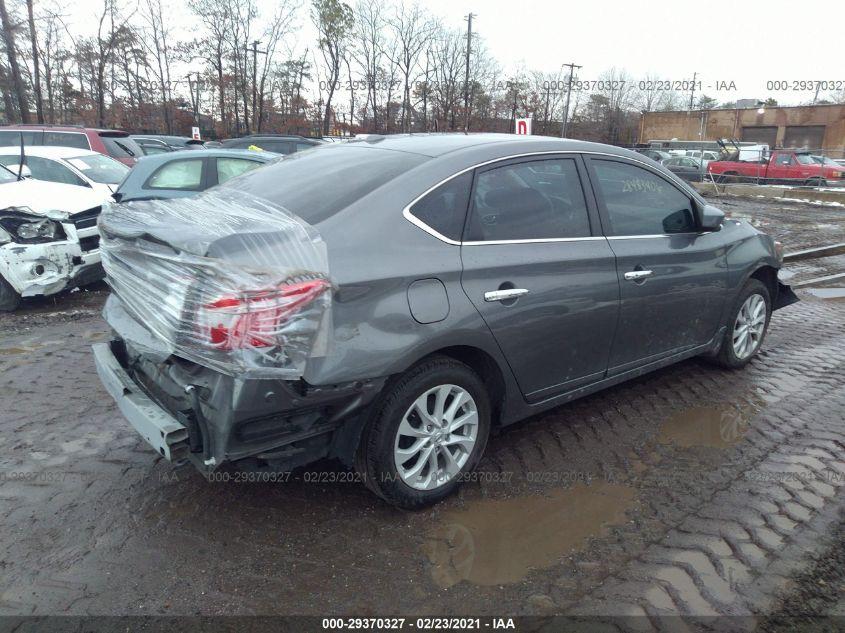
[180,174]
[122,147]
[66,139]
[228,168]
[279,147]
[444,209]
[298,182]
[540,199]
[13,137]
[639,202]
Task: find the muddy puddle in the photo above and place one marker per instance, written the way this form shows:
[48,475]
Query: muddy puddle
[498,541]
[830,294]
[718,425]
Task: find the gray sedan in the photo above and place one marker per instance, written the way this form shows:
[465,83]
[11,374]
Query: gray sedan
[475,280]
[186,172]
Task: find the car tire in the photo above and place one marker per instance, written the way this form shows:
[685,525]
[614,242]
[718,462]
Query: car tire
[737,351]
[397,429]
[9,299]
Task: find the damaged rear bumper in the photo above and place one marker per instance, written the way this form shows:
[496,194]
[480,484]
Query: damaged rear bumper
[184,410]
[161,430]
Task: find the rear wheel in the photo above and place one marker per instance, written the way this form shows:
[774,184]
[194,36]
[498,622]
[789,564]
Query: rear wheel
[747,326]
[9,299]
[430,428]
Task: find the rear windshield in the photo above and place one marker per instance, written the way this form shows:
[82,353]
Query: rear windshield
[315,185]
[122,147]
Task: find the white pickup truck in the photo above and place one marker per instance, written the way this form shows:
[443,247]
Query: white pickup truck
[48,238]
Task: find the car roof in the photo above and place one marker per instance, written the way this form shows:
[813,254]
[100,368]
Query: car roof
[48,151]
[64,128]
[439,144]
[214,152]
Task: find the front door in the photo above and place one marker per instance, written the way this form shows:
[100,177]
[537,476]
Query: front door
[536,268]
[672,276]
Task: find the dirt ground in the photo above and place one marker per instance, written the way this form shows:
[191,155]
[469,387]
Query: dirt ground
[692,490]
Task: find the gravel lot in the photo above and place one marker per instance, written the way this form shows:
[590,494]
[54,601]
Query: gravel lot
[693,490]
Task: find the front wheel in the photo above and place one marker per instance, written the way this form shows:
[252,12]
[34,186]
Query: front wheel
[430,428]
[9,299]
[747,326]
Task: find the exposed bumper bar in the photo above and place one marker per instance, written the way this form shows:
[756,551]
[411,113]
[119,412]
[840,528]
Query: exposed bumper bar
[161,430]
[786,297]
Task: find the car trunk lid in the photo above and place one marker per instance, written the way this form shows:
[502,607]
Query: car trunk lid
[224,279]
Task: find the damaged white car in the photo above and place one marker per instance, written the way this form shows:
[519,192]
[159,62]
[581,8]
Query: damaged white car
[48,238]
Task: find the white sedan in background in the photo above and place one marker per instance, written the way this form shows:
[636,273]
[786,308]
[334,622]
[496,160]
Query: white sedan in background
[68,166]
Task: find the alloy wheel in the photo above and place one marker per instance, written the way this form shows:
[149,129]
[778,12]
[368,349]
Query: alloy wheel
[749,326]
[436,437]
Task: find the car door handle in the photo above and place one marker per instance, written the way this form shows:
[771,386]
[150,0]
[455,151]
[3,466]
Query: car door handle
[504,295]
[636,275]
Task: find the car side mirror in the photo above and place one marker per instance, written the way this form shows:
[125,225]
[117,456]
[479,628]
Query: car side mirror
[711,218]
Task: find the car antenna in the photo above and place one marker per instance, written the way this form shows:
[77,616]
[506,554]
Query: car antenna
[23,158]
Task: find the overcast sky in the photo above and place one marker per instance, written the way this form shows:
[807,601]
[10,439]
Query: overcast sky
[747,43]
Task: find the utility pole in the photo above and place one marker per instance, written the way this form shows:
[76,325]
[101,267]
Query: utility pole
[255,52]
[194,89]
[466,78]
[692,92]
[572,66]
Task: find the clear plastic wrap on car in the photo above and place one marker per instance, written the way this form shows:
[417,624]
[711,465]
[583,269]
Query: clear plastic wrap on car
[224,279]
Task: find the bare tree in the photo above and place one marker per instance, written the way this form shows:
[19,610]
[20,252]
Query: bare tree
[334,21]
[14,66]
[36,69]
[412,30]
[368,51]
[155,38]
[279,26]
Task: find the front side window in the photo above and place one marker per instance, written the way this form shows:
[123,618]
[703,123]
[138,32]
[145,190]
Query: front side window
[444,209]
[805,159]
[45,169]
[639,202]
[540,199]
[66,139]
[228,168]
[180,174]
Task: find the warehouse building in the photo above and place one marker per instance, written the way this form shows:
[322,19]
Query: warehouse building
[809,127]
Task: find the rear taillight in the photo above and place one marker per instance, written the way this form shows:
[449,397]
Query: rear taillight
[254,318]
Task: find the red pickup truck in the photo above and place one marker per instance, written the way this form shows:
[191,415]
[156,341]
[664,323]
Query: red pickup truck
[784,166]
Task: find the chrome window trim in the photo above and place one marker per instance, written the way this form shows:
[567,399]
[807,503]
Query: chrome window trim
[406,212]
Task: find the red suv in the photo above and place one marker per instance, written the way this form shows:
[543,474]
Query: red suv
[114,143]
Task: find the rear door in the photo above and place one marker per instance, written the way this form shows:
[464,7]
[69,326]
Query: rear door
[538,270]
[672,275]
